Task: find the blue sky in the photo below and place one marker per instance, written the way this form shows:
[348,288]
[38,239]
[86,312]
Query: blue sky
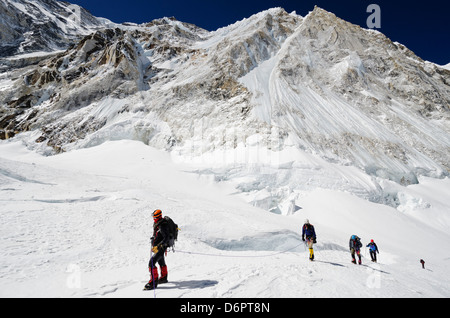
[424,27]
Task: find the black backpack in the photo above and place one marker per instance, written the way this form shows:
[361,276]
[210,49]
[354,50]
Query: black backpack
[173,231]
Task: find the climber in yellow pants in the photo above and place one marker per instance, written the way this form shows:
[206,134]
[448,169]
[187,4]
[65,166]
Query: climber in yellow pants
[309,236]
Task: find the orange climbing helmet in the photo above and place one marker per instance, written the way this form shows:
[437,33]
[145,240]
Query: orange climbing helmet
[157,214]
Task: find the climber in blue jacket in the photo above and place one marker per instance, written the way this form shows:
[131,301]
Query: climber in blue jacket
[373,249]
[309,236]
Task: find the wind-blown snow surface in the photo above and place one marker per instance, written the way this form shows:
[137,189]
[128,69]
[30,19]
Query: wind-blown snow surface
[78,225]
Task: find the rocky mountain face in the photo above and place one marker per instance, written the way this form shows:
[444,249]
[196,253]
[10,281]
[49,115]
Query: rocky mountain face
[42,25]
[354,95]
[276,80]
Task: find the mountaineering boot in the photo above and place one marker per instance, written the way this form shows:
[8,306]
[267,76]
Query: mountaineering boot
[311,254]
[153,282]
[163,278]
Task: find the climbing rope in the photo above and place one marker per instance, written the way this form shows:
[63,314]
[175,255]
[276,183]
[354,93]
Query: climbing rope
[239,256]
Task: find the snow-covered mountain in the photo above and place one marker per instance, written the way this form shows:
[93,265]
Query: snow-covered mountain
[303,116]
[274,88]
[28,26]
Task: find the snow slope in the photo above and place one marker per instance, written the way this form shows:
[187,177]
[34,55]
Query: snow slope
[79,224]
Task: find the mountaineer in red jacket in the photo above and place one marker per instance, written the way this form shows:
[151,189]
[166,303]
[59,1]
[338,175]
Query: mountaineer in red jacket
[160,241]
